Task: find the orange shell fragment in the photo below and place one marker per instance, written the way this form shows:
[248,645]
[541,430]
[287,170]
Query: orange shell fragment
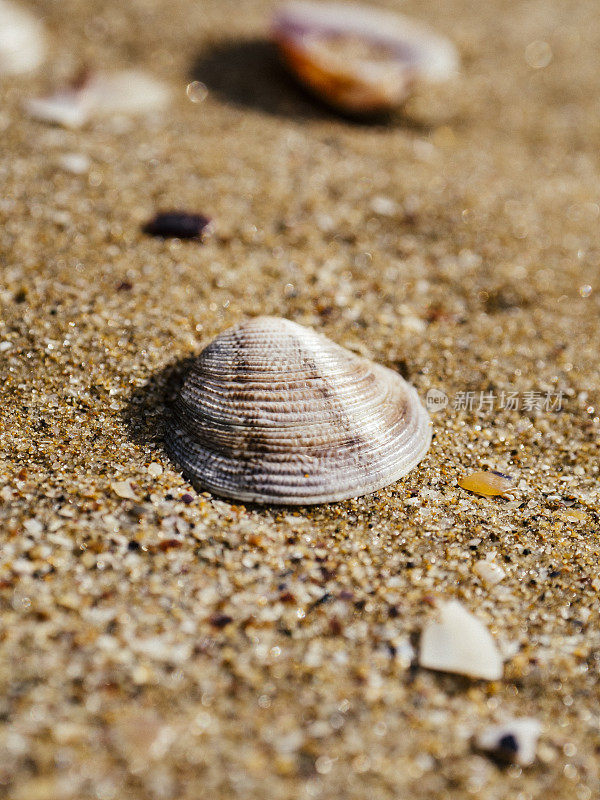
[489,484]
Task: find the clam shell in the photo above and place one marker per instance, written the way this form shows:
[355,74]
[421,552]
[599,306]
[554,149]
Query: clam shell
[359,59]
[273,412]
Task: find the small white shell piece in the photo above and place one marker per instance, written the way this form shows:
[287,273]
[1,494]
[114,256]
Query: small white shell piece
[127,92]
[359,59]
[22,45]
[489,572]
[458,642]
[273,412]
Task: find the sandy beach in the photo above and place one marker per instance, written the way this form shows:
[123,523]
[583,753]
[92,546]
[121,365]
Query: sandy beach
[171,644]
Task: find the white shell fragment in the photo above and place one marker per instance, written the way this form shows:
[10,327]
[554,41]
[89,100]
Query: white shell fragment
[22,45]
[67,107]
[458,642]
[489,572]
[515,740]
[123,489]
[273,412]
[359,59]
[129,92]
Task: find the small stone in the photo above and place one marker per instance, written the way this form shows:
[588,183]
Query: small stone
[179,224]
[71,601]
[155,469]
[220,620]
[75,163]
[487,483]
[413,324]
[6,493]
[514,741]
[142,675]
[168,544]
[384,206]
[575,515]
[458,642]
[33,527]
[68,732]
[489,572]
[123,489]
[88,560]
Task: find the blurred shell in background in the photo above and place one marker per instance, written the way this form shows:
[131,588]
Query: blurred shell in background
[22,45]
[101,94]
[360,60]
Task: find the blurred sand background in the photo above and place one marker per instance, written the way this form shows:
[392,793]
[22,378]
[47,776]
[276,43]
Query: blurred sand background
[175,645]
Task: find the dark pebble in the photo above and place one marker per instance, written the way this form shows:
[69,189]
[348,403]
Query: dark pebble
[508,744]
[323,599]
[220,620]
[168,544]
[178,224]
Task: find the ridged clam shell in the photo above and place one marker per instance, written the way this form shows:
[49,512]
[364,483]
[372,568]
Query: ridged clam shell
[273,412]
[359,59]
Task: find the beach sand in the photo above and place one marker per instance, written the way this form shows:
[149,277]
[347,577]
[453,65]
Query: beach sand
[174,645]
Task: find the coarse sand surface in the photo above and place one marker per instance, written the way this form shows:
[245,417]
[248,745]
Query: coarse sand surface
[158,642]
